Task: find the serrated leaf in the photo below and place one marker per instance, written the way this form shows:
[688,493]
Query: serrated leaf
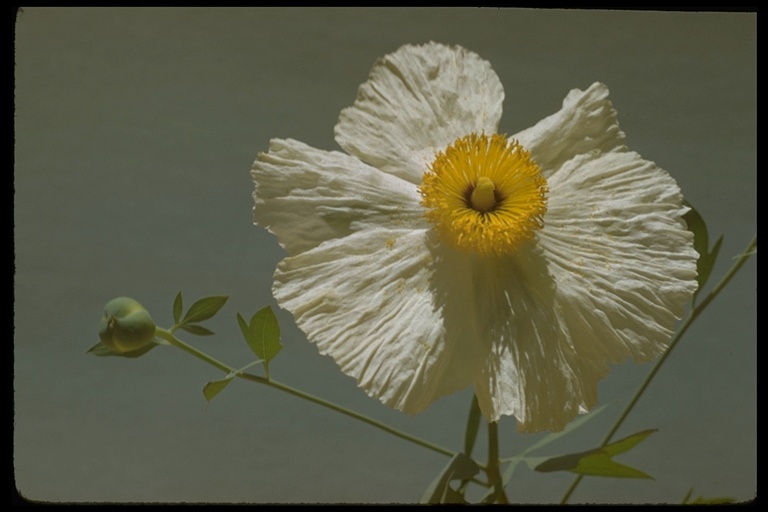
[461,467]
[196,329]
[598,462]
[213,388]
[265,335]
[178,307]
[101,350]
[204,308]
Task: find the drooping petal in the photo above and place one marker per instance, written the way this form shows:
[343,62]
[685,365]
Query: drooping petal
[530,372]
[416,101]
[368,301]
[621,255]
[606,280]
[587,121]
[306,196]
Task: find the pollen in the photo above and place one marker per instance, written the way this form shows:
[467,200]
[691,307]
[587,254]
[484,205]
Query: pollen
[485,194]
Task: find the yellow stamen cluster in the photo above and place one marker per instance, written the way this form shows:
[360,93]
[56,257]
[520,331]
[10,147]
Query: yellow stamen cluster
[485,194]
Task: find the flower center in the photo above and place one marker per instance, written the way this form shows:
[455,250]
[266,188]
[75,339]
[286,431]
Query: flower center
[482,198]
[485,194]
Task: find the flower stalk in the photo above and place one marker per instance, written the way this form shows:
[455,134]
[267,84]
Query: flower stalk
[492,469]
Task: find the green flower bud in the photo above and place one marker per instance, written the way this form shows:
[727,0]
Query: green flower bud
[126,326]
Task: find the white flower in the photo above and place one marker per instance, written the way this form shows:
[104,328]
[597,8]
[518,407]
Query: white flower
[434,254]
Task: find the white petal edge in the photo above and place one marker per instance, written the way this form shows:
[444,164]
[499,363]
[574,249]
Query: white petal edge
[306,196]
[621,254]
[530,372]
[606,280]
[368,301]
[587,121]
[416,100]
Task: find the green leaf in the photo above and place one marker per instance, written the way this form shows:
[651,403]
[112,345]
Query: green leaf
[577,422]
[204,308]
[196,329]
[140,352]
[598,462]
[605,466]
[263,334]
[460,467]
[707,258]
[102,350]
[551,437]
[178,307]
[712,258]
[629,442]
[244,328]
[490,497]
[215,387]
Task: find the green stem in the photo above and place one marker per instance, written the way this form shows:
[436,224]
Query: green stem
[173,340]
[694,314]
[350,413]
[470,435]
[492,468]
[176,342]
[473,423]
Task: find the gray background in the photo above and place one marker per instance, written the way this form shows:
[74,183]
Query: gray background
[135,132]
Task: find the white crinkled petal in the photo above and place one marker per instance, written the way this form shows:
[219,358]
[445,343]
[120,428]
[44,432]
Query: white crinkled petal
[587,121]
[611,271]
[419,98]
[369,301]
[306,196]
[621,254]
[412,320]
[531,372]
